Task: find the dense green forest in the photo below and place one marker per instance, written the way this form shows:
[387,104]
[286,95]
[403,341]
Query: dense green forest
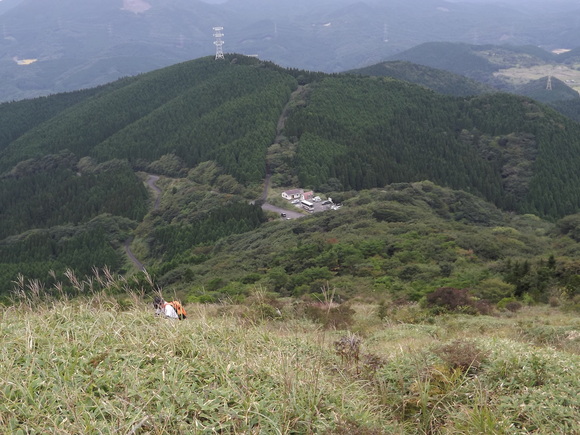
[73,169]
[439,80]
[560,96]
[363,132]
[54,190]
[371,132]
[45,255]
[401,242]
[200,111]
[464,69]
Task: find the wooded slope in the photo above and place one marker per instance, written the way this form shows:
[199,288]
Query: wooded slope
[69,159]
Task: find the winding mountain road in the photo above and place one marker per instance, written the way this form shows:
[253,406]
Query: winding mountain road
[151,180]
[289,214]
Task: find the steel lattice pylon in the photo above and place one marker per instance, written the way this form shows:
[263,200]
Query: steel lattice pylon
[219,52]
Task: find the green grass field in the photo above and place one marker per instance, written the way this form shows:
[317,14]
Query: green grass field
[93,365]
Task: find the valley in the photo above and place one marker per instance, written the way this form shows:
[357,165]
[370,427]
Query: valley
[393,249]
[366,142]
[522,75]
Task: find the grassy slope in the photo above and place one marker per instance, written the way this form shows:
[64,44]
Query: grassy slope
[81,367]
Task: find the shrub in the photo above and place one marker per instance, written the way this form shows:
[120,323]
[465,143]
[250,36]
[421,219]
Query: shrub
[331,317]
[513,306]
[452,299]
[382,310]
[493,289]
[510,304]
[573,305]
[251,278]
[348,348]
[570,226]
[483,307]
[462,355]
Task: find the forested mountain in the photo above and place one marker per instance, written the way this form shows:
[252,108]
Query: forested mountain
[64,45]
[548,90]
[439,80]
[478,62]
[362,132]
[520,70]
[201,110]
[370,132]
[72,166]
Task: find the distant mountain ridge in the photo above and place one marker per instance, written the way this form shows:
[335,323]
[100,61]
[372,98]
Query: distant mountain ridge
[68,45]
[507,68]
[478,62]
[438,80]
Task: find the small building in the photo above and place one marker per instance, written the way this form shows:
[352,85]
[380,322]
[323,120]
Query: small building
[307,196]
[292,194]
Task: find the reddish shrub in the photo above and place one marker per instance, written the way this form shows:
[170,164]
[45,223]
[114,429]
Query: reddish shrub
[332,317]
[513,306]
[462,355]
[450,298]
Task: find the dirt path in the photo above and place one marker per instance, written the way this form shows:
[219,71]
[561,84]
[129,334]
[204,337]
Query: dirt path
[151,180]
[131,256]
[284,115]
[279,128]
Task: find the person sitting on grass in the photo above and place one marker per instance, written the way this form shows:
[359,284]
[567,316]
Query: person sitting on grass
[171,310]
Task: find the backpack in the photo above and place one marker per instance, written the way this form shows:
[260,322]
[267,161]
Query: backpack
[181,313]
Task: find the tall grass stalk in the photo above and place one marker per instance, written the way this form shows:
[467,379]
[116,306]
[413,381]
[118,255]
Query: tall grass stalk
[97,365]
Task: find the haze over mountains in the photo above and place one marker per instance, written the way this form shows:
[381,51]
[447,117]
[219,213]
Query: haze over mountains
[48,47]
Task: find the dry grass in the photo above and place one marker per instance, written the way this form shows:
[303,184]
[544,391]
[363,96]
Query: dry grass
[85,366]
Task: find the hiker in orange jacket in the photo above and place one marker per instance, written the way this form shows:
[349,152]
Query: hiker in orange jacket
[163,308]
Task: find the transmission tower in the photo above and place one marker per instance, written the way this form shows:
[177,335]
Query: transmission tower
[219,52]
[549,84]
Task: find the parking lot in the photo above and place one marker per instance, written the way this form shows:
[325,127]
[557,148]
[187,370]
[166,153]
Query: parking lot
[317,206]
